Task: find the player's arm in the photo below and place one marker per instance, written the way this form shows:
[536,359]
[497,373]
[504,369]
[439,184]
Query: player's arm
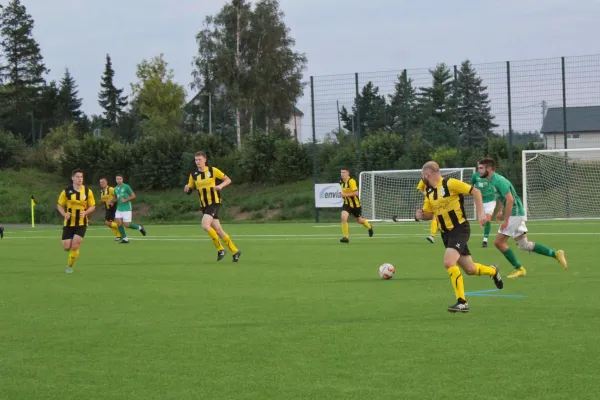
[131,195]
[113,199]
[353,187]
[220,175]
[61,204]
[91,204]
[426,213]
[191,185]
[459,187]
[510,202]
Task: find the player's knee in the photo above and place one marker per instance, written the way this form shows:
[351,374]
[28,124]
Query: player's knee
[525,244]
[499,243]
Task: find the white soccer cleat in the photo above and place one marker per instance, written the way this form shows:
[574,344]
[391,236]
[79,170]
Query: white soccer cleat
[430,239]
[68,270]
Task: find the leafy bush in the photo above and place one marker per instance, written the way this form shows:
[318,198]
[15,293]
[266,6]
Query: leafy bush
[12,151]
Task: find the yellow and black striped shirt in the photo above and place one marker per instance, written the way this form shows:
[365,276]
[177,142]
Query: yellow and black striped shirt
[106,195]
[446,202]
[350,186]
[204,181]
[75,202]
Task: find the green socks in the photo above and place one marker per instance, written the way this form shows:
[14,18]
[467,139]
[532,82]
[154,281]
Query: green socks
[486,229]
[512,258]
[134,226]
[543,250]
[122,232]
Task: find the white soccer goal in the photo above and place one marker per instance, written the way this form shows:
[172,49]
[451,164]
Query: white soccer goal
[561,184]
[387,194]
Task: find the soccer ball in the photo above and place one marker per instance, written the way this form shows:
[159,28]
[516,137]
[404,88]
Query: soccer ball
[386,271]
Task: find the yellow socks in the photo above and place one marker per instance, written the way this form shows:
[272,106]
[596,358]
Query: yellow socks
[457,282]
[366,224]
[481,269]
[115,229]
[227,240]
[215,239]
[345,229]
[73,254]
[433,227]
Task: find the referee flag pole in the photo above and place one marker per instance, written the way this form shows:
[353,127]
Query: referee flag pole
[32,212]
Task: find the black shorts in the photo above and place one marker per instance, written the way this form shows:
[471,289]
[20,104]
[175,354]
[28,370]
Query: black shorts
[458,238]
[212,210]
[356,212]
[109,215]
[70,231]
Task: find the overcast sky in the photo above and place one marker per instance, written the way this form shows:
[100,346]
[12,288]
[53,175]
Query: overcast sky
[337,36]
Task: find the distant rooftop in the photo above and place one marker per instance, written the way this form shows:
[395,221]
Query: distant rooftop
[579,119]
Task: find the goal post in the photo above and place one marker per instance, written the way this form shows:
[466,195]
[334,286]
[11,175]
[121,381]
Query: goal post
[393,193]
[561,183]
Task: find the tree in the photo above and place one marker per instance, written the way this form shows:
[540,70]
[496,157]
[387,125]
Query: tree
[69,105]
[403,105]
[474,120]
[23,71]
[247,55]
[437,101]
[46,109]
[159,98]
[110,98]
[371,108]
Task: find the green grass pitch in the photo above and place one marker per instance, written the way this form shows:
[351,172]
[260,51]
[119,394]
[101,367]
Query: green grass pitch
[302,316]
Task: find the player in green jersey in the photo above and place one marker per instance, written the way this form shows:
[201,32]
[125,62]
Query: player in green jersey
[125,195]
[513,221]
[489,203]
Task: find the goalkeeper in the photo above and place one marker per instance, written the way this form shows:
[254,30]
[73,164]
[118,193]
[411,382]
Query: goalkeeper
[421,187]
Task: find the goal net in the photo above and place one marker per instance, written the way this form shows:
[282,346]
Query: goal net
[387,194]
[561,184]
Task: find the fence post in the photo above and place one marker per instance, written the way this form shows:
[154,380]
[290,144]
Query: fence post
[453,114]
[407,136]
[511,160]
[564,101]
[314,140]
[358,144]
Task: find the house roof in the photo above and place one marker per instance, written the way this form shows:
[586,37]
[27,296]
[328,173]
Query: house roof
[579,119]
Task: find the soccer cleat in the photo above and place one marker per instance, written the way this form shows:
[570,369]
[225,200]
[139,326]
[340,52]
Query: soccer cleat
[560,256]
[517,273]
[460,307]
[1,232]
[68,270]
[430,239]
[124,241]
[142,230]
[236,256]
[371,232]
[344,240]
[497,278]
[220,255]
[484,244]
[118,239]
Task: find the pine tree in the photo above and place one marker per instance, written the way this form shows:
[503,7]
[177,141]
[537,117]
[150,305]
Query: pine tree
[403,105]
[437,101]
[372,110]
[22,71]
[110,98]
[69,105]
[474,120]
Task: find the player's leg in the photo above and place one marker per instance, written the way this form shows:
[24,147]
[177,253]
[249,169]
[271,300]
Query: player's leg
[134,226]
[357,212]
[109,221]
[345,231]
[120,227]
[207,221]
[538,248]
[502,246]
[216,224]
[451,257]
[1,232]
[472,268]
[432,230]
[71,242]
[488,209]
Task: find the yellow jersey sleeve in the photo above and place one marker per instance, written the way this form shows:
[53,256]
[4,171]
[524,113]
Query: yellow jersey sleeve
[459,187]
[62,199]
[421,186]
[91,200]
[191,181]
[218,173]
[427,205]
[353,185]
[111,191]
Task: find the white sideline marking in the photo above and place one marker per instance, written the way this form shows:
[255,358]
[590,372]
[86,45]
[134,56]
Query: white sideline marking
[278,237]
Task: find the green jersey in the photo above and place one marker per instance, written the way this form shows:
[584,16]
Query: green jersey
[502,187]
[485,187]
[122,192]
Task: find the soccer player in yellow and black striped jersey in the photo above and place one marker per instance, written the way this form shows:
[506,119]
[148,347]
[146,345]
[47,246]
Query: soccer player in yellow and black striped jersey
[422,187]
[74,204]
[444,201]
[108,199]
[351,205]
[209,181]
